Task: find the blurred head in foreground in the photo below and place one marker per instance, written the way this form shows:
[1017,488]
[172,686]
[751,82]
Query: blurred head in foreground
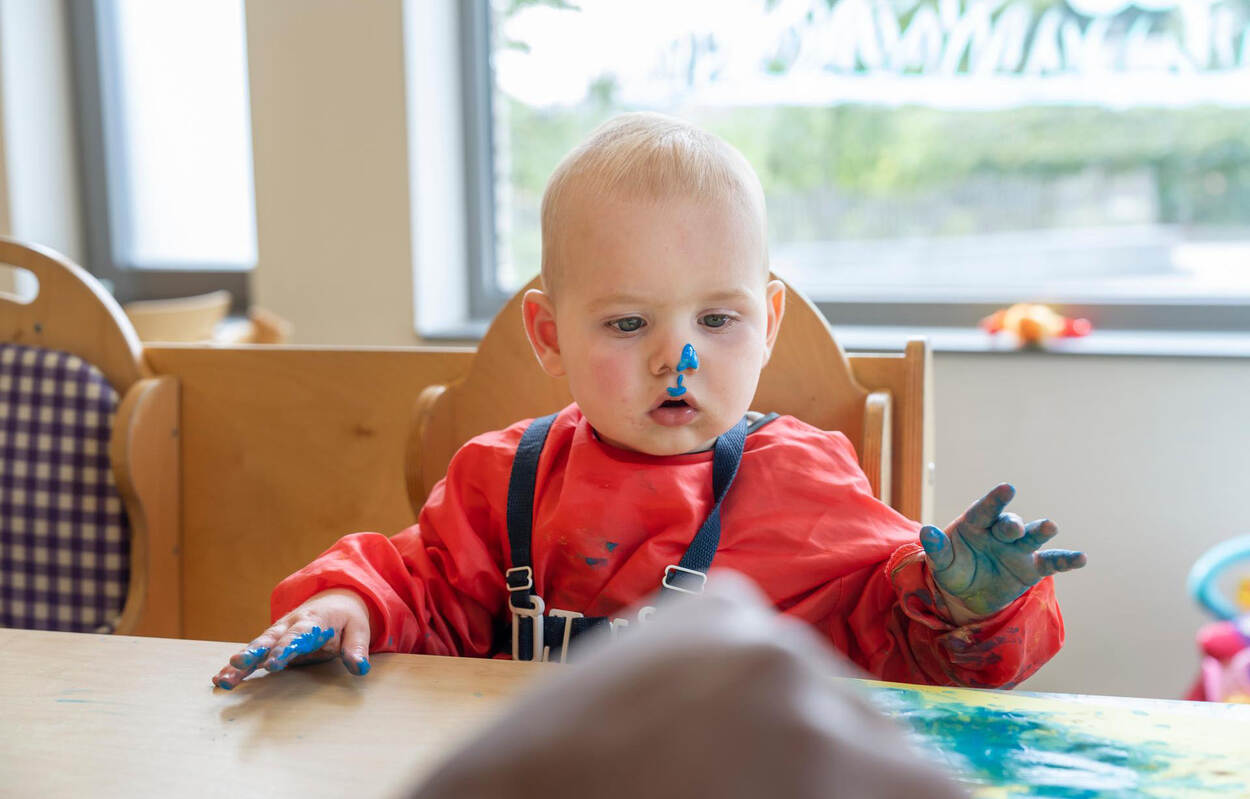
[718,696]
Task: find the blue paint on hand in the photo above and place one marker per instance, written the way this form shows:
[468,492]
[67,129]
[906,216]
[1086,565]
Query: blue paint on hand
[689,359]
[987,558]
[310,641]
[362,667]
[253,656]
[936,547]
[932,538]
[223,685]
[302,644]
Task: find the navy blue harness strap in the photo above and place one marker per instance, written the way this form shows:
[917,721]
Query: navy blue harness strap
[521,484]
[687,575]
[553,628]
[726,456]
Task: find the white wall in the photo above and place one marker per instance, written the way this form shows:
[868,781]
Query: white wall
[1143,464]
[39,189]
[330,153]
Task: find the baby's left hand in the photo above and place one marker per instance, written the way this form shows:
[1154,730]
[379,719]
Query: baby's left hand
[987,558]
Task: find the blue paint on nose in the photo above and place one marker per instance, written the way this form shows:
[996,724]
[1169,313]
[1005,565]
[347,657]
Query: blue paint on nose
[689,359]
[679,390]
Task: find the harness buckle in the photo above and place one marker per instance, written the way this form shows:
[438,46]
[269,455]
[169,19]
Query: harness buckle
[668,571]
[535,614]
[524,572]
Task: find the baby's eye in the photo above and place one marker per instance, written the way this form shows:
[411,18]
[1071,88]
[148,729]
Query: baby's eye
[627,325]
[715,319]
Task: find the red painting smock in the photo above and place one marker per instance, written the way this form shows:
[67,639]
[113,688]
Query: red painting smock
[800,520]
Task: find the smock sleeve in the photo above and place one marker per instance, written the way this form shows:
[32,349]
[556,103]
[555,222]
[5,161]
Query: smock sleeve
[903,633]
[436,587]
[892,621]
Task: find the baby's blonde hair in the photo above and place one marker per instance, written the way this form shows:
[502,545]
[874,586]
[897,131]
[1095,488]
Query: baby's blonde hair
[652,156]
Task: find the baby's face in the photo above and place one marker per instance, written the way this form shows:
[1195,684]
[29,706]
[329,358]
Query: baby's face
[640,279]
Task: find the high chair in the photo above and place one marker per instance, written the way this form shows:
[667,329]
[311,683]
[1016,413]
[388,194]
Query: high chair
[881,402]
[89,469]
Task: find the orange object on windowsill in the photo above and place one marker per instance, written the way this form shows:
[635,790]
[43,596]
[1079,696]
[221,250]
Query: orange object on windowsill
[1033,324]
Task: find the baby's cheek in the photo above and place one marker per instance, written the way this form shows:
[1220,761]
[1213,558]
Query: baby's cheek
[610,381]
[606,370]
[740,375]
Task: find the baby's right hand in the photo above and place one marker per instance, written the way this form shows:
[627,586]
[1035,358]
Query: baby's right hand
[332,623]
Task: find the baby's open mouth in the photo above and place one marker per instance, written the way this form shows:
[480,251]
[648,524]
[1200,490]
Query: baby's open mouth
[684,401]
[674,411]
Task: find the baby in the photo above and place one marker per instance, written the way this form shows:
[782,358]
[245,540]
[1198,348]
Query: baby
[658,308]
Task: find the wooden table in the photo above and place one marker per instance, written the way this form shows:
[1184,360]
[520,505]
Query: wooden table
[93,715]
[98,715]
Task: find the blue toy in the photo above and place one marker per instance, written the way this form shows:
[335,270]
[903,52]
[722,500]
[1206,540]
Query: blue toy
[1224,675]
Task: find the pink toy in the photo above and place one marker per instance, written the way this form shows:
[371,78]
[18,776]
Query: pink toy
[1224,675]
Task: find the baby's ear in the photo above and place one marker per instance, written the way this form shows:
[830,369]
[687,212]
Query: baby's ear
[775,306]
[540,327]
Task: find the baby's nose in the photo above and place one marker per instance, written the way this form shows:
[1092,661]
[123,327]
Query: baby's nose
[671,358]
[689,359]
[663,362]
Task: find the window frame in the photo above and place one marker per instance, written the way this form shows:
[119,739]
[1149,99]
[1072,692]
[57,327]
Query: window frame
[105,195]
[485,296]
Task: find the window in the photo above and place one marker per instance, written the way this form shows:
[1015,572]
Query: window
[924,161]
[166,140]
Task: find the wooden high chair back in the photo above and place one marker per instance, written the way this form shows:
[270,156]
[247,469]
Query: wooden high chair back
[75,396]
[882,403]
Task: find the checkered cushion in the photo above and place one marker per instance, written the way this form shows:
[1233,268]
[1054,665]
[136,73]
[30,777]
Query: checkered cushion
[64,536]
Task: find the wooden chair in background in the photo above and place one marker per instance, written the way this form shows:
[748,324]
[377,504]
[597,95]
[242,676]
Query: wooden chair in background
[75,396]
[881,402]
[202,319]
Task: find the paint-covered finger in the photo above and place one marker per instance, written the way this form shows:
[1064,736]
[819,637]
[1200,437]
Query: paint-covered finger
[1039,532]
[306,647]
[937,546]
[229,677]
[1008,528]
[986,510]
[301,639]
[258,649]
[1053,561]
[270,661]
[247,660]
[354,649]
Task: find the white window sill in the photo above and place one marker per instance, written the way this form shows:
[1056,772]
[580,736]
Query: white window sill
[1167,343]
